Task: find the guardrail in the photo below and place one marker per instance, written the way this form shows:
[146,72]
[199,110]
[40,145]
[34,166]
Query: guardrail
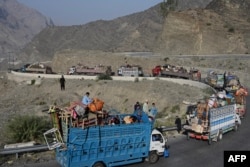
[23,149]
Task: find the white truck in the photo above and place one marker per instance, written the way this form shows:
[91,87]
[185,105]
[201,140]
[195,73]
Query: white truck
[212,124]
[130,70]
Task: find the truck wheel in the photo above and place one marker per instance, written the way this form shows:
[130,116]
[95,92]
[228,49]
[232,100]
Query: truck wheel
[153,157]
[98,164]
[236,127]
[219,137]
[188,137]
[209,141]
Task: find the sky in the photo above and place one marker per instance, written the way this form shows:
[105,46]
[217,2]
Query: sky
[77,12]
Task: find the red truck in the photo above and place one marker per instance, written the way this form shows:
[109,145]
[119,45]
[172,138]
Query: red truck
[176,72]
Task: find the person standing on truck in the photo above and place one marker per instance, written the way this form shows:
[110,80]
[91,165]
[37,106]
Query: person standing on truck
[137,106]
[145,107]
[62,83]
[153,111]
[178,124]
[86,100]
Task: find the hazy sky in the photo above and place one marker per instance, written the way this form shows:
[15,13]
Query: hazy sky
[76,12]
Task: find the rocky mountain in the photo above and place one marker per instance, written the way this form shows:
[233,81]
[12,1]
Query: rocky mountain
[221,28]
[136,32]
[193,28]
[18,25]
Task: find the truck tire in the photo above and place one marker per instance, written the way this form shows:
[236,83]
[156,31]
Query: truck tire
[188,137]
[209,141]
[98,164]
[236,126]
[220,136]
[153,157]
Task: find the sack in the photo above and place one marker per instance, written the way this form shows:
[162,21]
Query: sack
[96,105]
[166,153]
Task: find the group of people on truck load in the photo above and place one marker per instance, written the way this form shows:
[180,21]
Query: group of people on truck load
[92,109]
[149,111]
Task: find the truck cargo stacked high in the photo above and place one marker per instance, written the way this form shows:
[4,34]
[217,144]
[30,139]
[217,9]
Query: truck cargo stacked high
[176,72]
[230,83]
[130,70]
[37,68]
[83,137]
[85,70]
[210,120]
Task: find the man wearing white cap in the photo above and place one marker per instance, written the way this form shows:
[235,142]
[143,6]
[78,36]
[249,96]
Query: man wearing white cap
[145,107]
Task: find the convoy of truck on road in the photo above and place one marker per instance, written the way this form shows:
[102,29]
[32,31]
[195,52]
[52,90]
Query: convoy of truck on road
[104,139]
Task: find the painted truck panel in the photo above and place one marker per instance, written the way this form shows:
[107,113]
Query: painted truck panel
[108,145]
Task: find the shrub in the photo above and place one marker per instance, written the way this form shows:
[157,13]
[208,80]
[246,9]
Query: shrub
[104,77]
[27,128]
[136,79]
[175,108]
[33,81]
[231,29]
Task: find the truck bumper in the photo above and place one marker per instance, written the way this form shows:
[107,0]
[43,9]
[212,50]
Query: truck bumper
[198,136]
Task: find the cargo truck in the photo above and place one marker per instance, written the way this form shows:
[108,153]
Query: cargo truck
[212,124]
[130,71]
[176,72]
[86,70]
[100,145]
[37,68]
[215,80]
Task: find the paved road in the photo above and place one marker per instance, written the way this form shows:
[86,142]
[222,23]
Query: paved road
[190,153]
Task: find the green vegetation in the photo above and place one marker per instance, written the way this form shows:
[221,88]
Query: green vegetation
[33,81]
[231,29]
[175,108]
[166,6]
[104,77]
[136,79]
[27,128]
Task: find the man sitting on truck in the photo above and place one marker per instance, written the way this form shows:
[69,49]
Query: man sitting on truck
[86,100]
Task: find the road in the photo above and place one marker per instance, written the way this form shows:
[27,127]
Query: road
[190,153]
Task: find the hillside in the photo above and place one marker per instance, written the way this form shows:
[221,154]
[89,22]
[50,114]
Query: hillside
[18,25]
[186,31]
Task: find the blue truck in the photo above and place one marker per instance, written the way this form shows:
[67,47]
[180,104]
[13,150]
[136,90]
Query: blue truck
[104,145]
[212,124]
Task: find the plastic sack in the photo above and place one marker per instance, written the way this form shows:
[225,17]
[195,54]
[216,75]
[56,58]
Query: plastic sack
[166,153]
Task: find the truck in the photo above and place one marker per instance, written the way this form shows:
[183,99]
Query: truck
[176,72]
[124,139]
[37,68]
[211,124]
[130,70]
[86,70]
[215,79]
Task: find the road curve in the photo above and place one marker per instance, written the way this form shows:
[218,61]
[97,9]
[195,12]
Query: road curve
[25,76]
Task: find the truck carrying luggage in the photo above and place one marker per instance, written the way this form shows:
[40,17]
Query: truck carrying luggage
[112,139]
[215,79]
[130,71]
[81,69]
[37,68]
[210,124]
[176,72]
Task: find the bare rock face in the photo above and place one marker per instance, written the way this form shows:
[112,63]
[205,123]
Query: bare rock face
[221,28]
[18,25]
